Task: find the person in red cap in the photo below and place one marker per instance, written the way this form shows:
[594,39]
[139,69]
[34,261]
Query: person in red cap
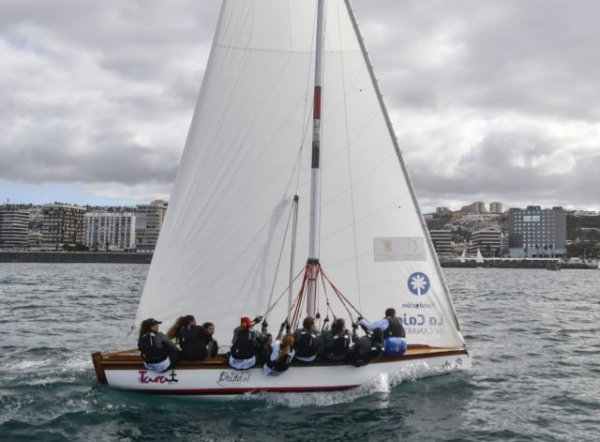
[244,345]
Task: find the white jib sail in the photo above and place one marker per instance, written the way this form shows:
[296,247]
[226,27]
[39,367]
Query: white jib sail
[248,153]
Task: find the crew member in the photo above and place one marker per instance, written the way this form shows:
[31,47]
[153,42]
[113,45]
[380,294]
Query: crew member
[306,343]
[244,345]
[393,332]
[335,341]
[158,352]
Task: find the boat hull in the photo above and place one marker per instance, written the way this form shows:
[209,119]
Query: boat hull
[215,378]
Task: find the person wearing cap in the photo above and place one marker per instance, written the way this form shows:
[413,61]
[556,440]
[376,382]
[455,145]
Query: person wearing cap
[244,345]
[158,352]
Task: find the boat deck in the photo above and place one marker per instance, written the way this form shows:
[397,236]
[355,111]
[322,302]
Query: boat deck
[131,360]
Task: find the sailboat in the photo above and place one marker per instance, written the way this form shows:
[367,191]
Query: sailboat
[267,219]
[479,257]
[463,257]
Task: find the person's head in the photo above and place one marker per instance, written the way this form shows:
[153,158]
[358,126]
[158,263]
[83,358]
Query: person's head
[287,342]
[189,320]
[390,313]
[245,322]
[175,330]
[338,325]
[210,327]
[149,325]
[269,339]
[308,324]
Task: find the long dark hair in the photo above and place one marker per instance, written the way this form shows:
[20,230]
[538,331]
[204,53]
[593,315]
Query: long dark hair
[285,347]
[174,331]
[338,326]
[308,323]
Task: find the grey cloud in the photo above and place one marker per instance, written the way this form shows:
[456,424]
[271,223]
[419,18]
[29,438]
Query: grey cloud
[103,91]
[513,166]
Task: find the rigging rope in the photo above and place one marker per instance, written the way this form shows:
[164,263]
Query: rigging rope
[357,268]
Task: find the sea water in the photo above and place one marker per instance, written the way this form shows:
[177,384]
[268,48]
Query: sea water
[534,336]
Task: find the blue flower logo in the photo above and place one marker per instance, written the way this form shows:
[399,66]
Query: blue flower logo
[418,283]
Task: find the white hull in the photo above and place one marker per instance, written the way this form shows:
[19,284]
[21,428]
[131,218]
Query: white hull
[225,381]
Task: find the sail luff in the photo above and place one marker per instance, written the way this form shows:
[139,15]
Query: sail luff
[408,181]
[315,182]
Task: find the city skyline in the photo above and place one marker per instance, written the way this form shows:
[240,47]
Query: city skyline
[488,101]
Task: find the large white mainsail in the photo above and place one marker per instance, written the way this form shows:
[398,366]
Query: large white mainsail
[248,154]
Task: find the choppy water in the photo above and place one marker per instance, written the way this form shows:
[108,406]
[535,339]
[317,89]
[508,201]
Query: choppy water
[534,334]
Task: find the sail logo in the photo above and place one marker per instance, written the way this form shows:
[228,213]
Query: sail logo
[233,378]
[160,379]
[418,283]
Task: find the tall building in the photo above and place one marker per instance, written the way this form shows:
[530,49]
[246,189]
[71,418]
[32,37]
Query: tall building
[148,222]
[488,241]
[475,207]
[14,227]
[62,225]
[442,241]
[537,232]
[109,230]
[496,207]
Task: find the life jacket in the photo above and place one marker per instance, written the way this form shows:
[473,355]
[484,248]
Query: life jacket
[151,353]
[244,346]
[339,349]
[395,329]
[364,352]
[192,345]
[306,346]
[280,365]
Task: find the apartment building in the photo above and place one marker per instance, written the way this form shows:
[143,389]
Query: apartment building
[109,231]
[14,227]
[148,222]
[62,225]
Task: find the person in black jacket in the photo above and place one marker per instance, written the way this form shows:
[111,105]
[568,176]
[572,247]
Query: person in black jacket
[191,337]
[306,344]
[366,349]
[244,345]
[212,346]
[335,342]
[157,350]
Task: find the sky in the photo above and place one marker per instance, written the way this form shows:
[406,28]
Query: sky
[491,101]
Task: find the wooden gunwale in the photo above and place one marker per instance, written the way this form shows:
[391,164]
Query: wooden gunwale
[131,360]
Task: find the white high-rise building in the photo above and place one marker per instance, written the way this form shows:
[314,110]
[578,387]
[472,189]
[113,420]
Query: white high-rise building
[109,230]
[14,226]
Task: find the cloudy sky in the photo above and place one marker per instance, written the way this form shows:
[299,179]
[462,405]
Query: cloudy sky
[493,101]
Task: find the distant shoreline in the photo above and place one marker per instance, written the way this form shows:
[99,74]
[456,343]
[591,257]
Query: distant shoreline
[519,264]
[77,257]
[146,258]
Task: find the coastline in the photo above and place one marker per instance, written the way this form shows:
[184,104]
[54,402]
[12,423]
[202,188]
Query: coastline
[521,264]
[76,257]
[146,258]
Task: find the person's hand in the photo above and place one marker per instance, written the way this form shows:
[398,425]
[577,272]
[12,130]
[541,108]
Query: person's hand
[360,318]
[355,325]
[265,324]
